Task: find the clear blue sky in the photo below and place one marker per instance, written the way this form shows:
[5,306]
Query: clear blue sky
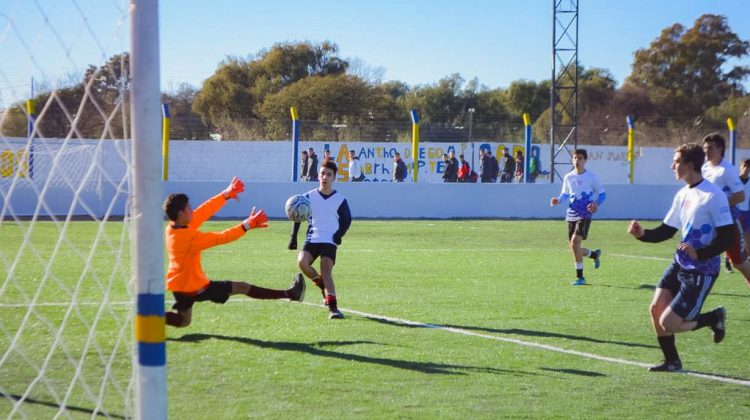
[414,41]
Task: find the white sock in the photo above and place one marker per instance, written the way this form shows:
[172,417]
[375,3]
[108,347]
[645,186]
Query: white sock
[579,265]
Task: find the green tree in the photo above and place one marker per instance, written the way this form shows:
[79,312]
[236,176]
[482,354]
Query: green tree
[234,94]
[684,69]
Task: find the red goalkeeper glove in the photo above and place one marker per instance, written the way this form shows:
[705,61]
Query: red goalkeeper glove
[235,187]
[256,220]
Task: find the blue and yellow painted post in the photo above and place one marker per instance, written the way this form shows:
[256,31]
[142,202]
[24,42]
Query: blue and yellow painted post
[415,141]
[31,113]
[165,130]
[527,138]
[631,147]
[732,140]
[150,330]
[295,142]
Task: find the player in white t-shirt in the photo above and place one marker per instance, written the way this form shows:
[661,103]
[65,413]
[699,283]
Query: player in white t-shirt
[584,193]
[724,175]
[701,211]
[329,220]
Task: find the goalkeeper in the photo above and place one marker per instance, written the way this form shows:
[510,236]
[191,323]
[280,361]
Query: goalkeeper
[184,242]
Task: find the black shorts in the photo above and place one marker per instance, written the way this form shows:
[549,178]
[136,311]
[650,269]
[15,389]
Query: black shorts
[579,227]
[216,291]
[321,249]
[689,288]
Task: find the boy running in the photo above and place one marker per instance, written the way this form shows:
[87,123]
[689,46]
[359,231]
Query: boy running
[329,220]
[584,193]
[701,210]
[185,243]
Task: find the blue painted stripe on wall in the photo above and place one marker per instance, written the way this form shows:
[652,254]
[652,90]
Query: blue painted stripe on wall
[152,354]
[151,304]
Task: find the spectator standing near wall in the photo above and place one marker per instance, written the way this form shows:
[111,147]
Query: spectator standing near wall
[519,167]
[355,169]
[535,166]
[509,166]
[464,170]
[312,169]
[450,174]
[399,168]
[305,164]
[485,167]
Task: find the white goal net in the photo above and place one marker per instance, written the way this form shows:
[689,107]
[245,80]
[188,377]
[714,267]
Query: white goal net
[68,345]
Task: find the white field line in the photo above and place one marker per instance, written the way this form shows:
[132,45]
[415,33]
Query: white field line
[461,331]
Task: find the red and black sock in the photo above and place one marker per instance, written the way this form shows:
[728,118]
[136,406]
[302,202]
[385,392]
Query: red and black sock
[331,302]
[263,293]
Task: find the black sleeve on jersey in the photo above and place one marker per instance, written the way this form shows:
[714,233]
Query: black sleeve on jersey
[345,220]
[722,241]
[661,233]
[293,238]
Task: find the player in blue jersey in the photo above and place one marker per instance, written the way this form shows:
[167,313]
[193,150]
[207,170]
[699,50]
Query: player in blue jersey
[724,175]
[329,220]
[701,211]
[584,193]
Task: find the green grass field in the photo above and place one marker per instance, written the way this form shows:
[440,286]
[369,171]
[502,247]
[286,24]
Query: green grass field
[448,319]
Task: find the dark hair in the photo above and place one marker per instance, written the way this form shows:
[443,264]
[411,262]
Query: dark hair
[174,204]
[581,152]
[746,162]
[304,152]
[717,140]
[330,165]
[461,156]
[692,153]
[397,154]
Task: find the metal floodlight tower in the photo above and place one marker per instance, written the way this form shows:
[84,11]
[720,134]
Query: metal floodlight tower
[564,88]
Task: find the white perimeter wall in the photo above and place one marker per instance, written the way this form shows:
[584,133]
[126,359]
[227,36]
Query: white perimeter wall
[202,168]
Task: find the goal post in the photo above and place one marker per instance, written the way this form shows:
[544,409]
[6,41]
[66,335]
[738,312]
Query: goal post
[82,331]
[147,241]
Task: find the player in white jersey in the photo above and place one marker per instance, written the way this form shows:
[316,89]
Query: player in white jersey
[329,220]
[724,175]
[584,193]
[701,211]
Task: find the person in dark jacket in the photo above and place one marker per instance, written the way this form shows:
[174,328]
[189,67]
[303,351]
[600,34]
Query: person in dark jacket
[312,168]
[451,171]
[399,168]
[509,167]
[486,171]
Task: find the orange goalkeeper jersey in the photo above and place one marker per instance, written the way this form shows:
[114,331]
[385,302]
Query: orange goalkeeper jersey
[185,244]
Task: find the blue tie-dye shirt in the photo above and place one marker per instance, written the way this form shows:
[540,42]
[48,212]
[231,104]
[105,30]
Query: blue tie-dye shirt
[697,212]
[582,190]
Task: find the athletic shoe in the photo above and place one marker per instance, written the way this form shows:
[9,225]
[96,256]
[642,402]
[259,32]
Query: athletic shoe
[720,328]
[728,265]
[674,366]
[296,291]
[579,282]
[595,255]
[335,314]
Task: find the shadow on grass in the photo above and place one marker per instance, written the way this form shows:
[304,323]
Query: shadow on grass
[515,331]
[29,400]
[316,350]
[574,372]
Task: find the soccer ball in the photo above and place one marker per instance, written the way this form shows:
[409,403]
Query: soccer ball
[298,208]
